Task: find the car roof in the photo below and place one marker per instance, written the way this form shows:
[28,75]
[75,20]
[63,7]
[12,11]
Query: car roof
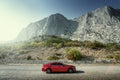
[54,62]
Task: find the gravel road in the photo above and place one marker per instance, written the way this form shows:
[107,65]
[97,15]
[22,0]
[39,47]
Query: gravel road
[84,72]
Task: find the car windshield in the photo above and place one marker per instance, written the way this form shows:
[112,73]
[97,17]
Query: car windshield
[60,64]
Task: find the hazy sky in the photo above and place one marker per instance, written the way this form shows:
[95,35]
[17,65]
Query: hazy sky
[17,14]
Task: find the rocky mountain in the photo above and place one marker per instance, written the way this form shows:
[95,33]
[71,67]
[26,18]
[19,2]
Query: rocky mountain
[102,24]
[55,24]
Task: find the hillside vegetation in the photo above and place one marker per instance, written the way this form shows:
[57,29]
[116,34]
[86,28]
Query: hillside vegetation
[57,42]
[55,48]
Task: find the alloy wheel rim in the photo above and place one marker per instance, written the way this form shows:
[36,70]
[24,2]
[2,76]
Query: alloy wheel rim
[70,70]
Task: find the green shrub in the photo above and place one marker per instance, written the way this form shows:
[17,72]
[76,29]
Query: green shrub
[2,56]
[73,44]
[94,45]
[87,43]
[38,58]
[114,56]
[53,58]
[97,44]
[55,41]
[60,45]
[113,46]
[29,58]
[117,56]
[73,54]
[110,56]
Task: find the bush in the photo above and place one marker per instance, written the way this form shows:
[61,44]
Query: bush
[29,58]
[113,46]
[38,58]
[2,56]
[114,56]
[73,44]
[94,45]
[73,54]
[53,58]
[57,46]
[110,56]
[97,44]
[55,41]
[117,56]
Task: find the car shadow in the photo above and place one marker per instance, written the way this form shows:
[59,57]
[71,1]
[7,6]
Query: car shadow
[77,72]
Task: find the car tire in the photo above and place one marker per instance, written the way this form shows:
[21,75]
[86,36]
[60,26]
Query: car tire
[48,71]
[70,70]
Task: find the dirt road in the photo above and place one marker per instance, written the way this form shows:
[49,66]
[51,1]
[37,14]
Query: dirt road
[84,72]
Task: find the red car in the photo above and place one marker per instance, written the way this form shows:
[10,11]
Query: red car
[58,67]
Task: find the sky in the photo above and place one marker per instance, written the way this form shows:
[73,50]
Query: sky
[17,14]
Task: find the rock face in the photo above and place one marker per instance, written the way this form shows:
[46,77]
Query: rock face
[102,24]
[55,24]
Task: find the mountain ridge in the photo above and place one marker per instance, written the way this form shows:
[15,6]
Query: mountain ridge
[102,24]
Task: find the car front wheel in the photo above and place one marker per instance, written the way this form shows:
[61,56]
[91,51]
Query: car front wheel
[48,71]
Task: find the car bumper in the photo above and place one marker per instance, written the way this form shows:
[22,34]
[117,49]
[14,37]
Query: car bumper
[43,69]
[74,69]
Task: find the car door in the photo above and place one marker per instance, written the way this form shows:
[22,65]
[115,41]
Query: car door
[61,67]
[54,67]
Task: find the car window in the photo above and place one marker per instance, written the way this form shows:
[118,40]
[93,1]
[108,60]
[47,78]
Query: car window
[59,64]
[54,64]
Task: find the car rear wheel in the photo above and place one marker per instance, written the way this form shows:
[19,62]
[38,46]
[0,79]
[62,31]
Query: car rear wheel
[48,71]
[70,70]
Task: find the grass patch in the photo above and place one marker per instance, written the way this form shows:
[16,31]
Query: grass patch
[53,58]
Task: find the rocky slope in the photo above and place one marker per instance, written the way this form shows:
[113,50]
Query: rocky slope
[102,24]
[55,24]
